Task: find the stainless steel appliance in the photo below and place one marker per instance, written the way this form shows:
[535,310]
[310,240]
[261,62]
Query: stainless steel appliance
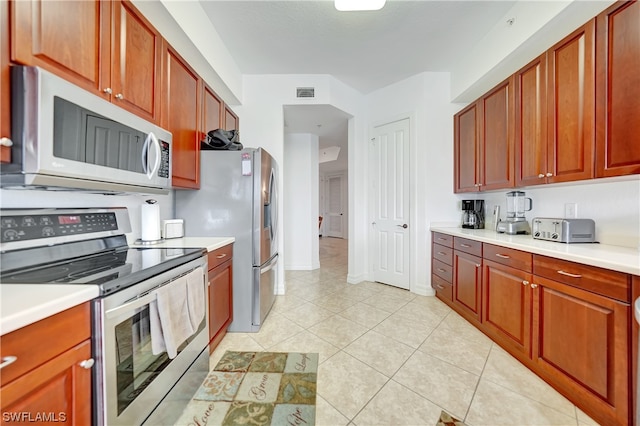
[66,137]
[88,246]
[516,223]
[564,230]
[238,197]
[473,216]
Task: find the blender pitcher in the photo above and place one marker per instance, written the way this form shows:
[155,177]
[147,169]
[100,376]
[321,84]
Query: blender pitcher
[517,205]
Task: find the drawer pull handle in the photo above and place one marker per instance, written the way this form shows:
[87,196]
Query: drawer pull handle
[441,253]
[87,363]
[442,239]
[568,274]
[503,256]
[7,360]
[220,256]
[465,245]
[441,270]
[525,282]
[534,285]
[440,287]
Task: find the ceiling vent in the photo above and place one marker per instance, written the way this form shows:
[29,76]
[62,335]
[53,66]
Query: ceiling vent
[305,92]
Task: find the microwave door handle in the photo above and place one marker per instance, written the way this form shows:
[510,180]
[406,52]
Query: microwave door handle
[156,165]
[145,154]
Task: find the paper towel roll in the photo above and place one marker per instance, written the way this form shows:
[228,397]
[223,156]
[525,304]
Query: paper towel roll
[150,222]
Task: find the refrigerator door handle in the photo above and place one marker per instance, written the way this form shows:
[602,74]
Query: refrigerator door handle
[273,205]
[269,266]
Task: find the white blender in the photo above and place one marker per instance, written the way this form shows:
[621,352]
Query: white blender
[516,223]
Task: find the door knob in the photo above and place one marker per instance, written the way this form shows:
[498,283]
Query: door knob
[404,225]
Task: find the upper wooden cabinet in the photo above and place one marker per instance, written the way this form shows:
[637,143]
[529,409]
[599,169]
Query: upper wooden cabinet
[571,106]
[230,119]
[181,116]
[483,142]
[5,87]
[618,90]
[531,122]
[212,111]
[107,47]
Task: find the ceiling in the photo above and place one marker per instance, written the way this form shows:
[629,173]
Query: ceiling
[365,50]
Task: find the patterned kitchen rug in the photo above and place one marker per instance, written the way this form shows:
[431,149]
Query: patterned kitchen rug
[447,419]
[256,388]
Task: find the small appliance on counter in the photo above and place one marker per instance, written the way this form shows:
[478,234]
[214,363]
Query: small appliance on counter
[473,216]
[564,230]
[516,223]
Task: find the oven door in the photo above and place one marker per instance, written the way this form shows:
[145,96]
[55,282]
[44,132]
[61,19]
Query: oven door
[130,380]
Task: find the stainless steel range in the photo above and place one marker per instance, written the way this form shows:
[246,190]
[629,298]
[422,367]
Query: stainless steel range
[135,369]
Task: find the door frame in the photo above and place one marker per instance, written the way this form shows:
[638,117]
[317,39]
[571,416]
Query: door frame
[413,196]
[344,195]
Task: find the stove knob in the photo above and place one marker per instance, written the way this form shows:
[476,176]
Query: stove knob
[554,236]
[48,232]
[11,235]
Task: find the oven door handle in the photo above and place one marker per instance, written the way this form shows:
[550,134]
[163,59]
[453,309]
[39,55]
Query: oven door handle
[130,306]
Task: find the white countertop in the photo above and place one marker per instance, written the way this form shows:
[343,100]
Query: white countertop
[622,259]
[210,243]
[24,304]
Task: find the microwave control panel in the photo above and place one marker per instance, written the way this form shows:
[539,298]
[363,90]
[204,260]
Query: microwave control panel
[163,171]
[33,227]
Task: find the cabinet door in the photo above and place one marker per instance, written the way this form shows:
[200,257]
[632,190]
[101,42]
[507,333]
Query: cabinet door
[570,92]
[467,283]
[59,389]
[5,88]
[182,118]
[69,38]
[531,123]
[212,111]
[220,302]
[496,137]
[137,49]
[506,311]
[581,345]
[466,149]
[618,90]
[230,119]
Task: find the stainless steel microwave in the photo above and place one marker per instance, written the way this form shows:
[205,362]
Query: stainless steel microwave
[66,137]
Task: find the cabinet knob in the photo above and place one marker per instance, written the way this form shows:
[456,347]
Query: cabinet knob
[6,360]
[541,175]
[119,96]
[534,285]
[549,174]
[108,91]
[525,282]
[87,363]
[478,265]
[6,142]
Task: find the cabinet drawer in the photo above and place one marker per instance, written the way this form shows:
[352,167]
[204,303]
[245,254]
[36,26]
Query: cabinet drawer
[219,256]
[442,288]
[443,239]
[442,270]
[507,256]
[608,283]
[443,254]
[468,246]
[62,331]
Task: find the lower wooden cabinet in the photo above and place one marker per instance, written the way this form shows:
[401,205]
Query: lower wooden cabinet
[571,324]
[220,293]
[48,383]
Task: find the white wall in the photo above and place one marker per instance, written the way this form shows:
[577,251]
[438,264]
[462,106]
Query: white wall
[301,192]
[263,125]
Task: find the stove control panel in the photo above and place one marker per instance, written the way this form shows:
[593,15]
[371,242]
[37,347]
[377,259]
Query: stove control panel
[21,227]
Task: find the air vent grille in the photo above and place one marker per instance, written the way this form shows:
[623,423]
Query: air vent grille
[305,92]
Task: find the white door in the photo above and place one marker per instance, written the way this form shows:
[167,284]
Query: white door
[391,225]
[334,211]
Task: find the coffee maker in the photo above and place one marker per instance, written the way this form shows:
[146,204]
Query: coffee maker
[516,223]
[473,216]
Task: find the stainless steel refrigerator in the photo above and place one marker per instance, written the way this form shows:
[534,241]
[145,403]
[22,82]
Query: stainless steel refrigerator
[238,197]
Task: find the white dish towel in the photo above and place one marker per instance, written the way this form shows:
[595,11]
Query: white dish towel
[170,322]
[196,294]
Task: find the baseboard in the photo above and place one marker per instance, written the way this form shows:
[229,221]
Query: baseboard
[301,267]
[355,279]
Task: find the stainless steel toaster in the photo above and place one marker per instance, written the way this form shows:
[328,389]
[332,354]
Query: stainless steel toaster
[564,230]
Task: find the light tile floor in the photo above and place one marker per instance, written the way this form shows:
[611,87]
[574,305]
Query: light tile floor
[391,357]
